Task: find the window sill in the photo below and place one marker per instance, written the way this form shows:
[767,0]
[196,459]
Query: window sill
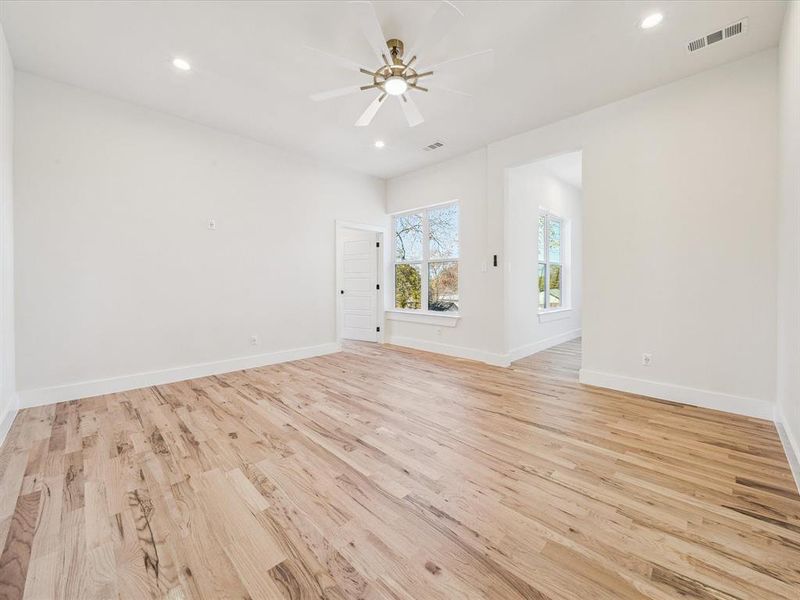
[423,316]
[554,314]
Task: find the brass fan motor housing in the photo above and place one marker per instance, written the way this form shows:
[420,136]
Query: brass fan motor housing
[396,68]
[396,48]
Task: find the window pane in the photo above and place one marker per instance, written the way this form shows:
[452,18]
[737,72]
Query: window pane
[443,286]
[554,299]
[541,239]
[443,231]
[407,286]
[555,241]
[408,237]
[541,285]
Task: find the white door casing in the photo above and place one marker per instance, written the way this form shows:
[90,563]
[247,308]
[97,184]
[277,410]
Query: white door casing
[359,284]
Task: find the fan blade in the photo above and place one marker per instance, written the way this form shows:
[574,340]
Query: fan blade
[410,110]
[371,28]
[345,63]
[451,90]
[449,61]
[369,114]
[437,28]
[350,89]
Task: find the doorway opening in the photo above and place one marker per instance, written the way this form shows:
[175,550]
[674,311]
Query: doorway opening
[359,282]
[544,235]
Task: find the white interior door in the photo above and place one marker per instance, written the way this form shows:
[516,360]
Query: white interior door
[359,293]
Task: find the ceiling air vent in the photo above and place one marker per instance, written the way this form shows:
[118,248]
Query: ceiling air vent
[713,38]
[731,30]
[433,146]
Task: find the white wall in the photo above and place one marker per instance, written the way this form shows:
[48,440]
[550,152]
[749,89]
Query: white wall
[117,270]
[679,233]
[8,402]
[789,230]
[679,188]
[531,188]
[118,273]
[462,179]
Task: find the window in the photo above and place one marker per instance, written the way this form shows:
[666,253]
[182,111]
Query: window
[550,262]
[426,259]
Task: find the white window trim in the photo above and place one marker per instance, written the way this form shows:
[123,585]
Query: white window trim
[428,317]
[553,314]
[423,315]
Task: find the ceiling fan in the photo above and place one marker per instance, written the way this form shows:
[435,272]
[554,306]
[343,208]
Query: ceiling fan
[397,74]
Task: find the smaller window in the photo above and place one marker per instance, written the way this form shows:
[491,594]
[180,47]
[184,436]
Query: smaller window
[550,269]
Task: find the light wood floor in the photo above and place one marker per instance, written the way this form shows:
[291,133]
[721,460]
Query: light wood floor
[390,473]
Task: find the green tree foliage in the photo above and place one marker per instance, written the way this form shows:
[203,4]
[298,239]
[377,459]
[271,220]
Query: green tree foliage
[407,287]
[555,277]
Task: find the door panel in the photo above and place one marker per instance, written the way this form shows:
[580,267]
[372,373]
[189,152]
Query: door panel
[354,303]
[359,269]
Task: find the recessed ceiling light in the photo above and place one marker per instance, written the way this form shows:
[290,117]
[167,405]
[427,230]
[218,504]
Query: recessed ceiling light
[182,64]
[651,21]
[380,144]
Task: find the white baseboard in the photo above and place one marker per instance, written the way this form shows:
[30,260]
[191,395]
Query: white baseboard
[791,443]
[528,349]
[8,419]
[490,358]
[750,407]
[499,360]
[86,389]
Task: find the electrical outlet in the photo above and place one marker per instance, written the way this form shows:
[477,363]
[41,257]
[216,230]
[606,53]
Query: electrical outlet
[438,331]
[254,340]
[647,359]
[212,224]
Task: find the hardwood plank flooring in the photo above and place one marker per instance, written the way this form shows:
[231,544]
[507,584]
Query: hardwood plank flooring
[388,473]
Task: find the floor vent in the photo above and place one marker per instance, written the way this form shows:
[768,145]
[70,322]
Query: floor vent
[731,30]
[433,146]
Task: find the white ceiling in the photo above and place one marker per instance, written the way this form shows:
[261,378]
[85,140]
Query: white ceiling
[252,76]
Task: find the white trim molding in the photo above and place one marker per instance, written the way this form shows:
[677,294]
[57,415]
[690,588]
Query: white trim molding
[97,387]
[8,419]
[791,444]
[424,317]
[490,358]
[554,314]
[740,405]
[528,349]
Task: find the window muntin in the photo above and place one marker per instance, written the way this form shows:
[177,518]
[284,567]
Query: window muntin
[550,271]
[426,274]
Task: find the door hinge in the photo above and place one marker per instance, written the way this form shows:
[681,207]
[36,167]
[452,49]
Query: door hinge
[377,244]
[378,329]
[377,286]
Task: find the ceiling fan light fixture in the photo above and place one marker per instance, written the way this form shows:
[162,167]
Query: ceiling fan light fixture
[395,86]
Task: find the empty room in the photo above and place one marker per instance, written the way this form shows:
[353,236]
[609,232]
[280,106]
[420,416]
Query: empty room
[400,300]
